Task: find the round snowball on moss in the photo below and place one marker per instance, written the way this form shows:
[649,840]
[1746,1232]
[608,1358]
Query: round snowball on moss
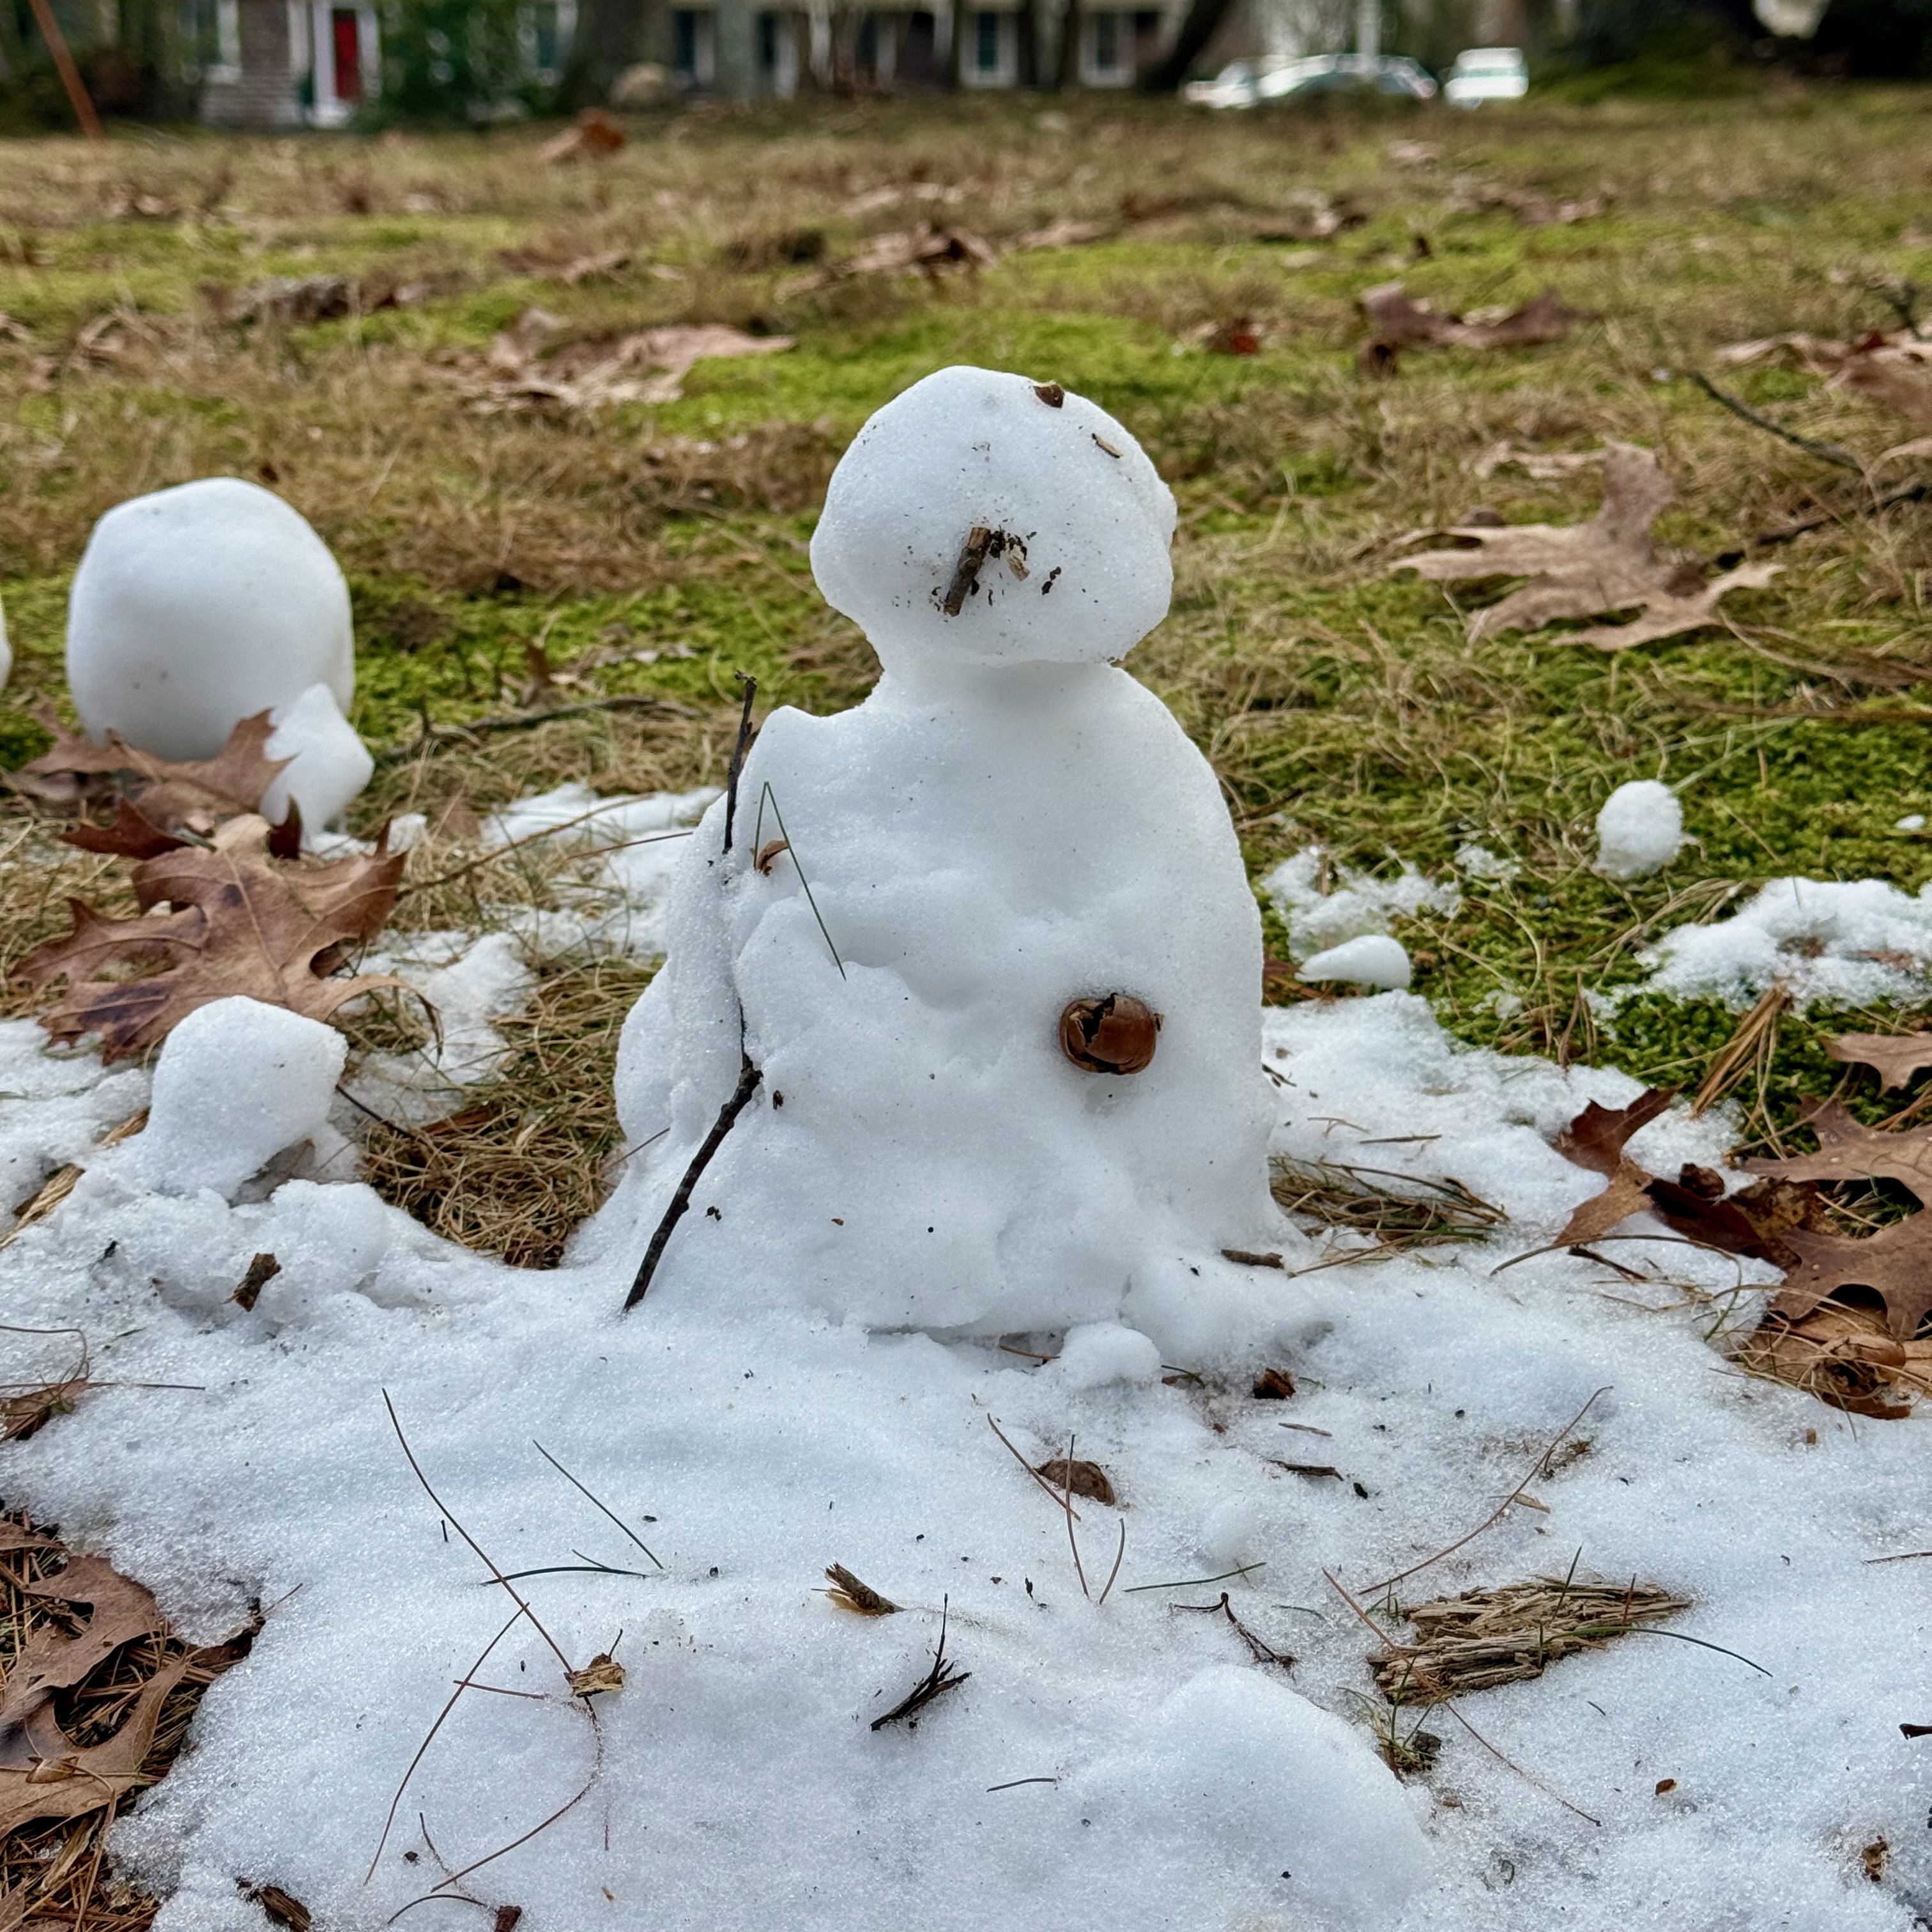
[197,607]
[1640,830]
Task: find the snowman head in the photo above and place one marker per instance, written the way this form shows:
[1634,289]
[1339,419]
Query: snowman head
[983,518]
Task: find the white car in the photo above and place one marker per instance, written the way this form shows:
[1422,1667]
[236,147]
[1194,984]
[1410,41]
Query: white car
[1248,83]
[1486,73]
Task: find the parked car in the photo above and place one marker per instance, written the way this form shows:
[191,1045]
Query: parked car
[1486,73]
[1248,83]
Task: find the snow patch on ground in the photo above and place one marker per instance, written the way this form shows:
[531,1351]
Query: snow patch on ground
[736,1780]
[1828,942]
[638,840]
[1326,906]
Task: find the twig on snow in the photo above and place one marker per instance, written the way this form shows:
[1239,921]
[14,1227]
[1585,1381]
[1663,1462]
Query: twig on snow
[748,1078]
[604,1507]
[937,1681]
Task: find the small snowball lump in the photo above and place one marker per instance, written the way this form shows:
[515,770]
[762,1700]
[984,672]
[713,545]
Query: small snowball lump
[1303,1816]
[1639,831]
[329,763]
[238,1081]
[1089,576]
[199,606]
[1375,959]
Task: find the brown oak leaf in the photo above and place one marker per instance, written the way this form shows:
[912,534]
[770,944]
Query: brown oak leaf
[1850,1150]
[238,924]
[1396,322]
[1595,1138]
[1591,1220]
[1895,1264]
[45,1774]
[1584,570]
[170,792]
[1895,1057]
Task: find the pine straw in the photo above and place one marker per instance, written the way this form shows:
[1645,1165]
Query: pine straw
[1484,1638]
[523,1161]
[56,1872]
[1362,1200]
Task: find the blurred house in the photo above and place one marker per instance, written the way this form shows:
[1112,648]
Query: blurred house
[265,64]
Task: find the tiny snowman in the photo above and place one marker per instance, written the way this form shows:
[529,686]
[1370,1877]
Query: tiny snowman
[978,960]
[196,607]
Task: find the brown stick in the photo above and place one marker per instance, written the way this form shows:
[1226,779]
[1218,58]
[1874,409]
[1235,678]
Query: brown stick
[747,1083]
[1829,452]
[966,571]
[750,684]
[69,74]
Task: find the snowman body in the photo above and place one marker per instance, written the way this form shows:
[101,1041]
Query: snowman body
[913,892]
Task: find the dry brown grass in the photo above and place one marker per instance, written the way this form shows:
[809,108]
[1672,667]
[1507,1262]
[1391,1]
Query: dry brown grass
[522,1162]
[1510,1634]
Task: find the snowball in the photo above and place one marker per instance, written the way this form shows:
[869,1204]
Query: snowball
[1292,1799]
[1230,1533]
[1373,960]
[1913,821]
[1103,1351]
[236,1083]
[329,763]
[1638,830]
[197,607]
[970,447]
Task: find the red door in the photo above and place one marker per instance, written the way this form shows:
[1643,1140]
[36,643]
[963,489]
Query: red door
[346,34]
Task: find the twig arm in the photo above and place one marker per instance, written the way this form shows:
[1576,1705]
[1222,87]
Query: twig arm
[741,1095]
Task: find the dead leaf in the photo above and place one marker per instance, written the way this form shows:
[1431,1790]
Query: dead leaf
[1273,1384]
[1898,377]
[1894,1057]
[169,792]
[120,1611]
[603,1672]
[238,924]
[1082,1477]
[563,262]
[594,134]
[263,1269]
[284,1907]
[1595,1138]
[1591,1220]
[1582,570]
[1895,1264]
[849,1594]
[593,375]
[924,250]
[1842,1355]
[1396,322]
[1850,1150]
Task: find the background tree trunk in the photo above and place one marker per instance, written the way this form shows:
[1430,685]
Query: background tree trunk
[1202,22]
[1066,69]
[611,36]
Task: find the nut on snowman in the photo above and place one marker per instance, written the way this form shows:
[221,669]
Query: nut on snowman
[1115,1033]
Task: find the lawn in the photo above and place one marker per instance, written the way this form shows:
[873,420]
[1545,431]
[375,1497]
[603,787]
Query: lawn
[561,590]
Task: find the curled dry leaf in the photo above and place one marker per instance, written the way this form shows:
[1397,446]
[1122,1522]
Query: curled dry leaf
[603,1672]
[283,1908]
[237,924]
[1078,1477]
[1595,1138]
[170,793]
[1895,1057]
[1582,570]
[1842,1355]
[850,1594]
[1396,322]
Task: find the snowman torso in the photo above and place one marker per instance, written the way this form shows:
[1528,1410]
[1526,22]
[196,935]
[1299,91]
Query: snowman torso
[982,849]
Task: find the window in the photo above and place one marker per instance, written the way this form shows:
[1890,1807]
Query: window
[1106,41]
[1109,61]
[986,43]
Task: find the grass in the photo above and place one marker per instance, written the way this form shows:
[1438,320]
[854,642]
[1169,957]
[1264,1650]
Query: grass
[662,549]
